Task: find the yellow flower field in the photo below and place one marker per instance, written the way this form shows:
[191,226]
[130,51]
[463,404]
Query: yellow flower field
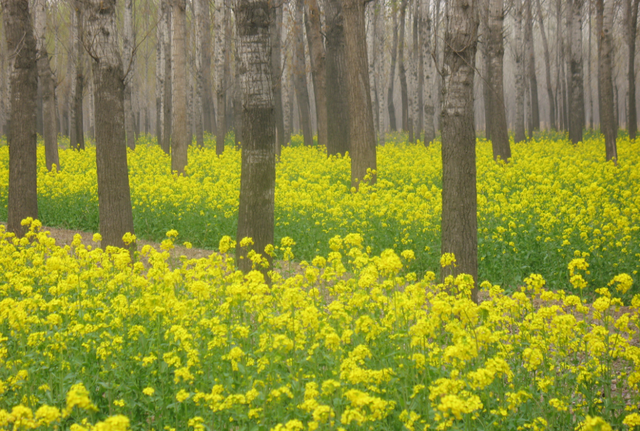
[553,203]
[91,340]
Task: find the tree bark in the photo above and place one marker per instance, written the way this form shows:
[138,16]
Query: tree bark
[576,89]
[459,199]
[417,113]
[402,71]
[362,135]
[76,126]
[318,71]
[495,52]
[392,72]
[519,135]
[604,23]
[128,42]
[428,67]
[114,196]
[300,73]
[632,30]
[221,84]
[160,75]
[531,71]
[258,177]
[168,96]
[47,84]
[23,88]
[179,137]
[337,100]
[276,75]
[547,65]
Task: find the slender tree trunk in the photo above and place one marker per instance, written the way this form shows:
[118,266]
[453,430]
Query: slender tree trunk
[338,110]
[418,71]
[221,84]
[402,72]
[114,196]
[48,89]
[318,71]
[589,82]
[519,66]
[547,65]
[604,10]
[362,133]
[486,80]
[560,68]
[300,73]
[531,70]
[168,96]
[428,67]
[459,198]
[201,30]
[23,84]
[76,134]
[632,29]
[258,178]
[392,73]
[160,76]
[576,120]
[276,74]
[179,138]
[128,42]
[495,52]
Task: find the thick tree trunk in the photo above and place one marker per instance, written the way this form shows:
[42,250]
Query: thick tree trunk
[258,178]
[300,73]
[459,199]
[23,84]
[362,135]
[337,101]
[318,71]
[547,65]
[276,76]
[128,42]
[168,97]
[576,91]
[221,82]
[47,85]
[604,20]
[179,138]
[519,135]
[114,196]
[495,52]
[632,29]
[428,68]
[531,70]
[402,71]
[392,73]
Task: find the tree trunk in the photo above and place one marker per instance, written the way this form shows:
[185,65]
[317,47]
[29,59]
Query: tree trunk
[402,72]
[76,126]
[276,75]
[179,142]
[362,134]
[47,84]
[427,60]
[128,42]
[486,80]
[258,178]
[201,30]
[604,20]
[337,101]
[23,84]
[160,76]
[576,91]
[519,66]
[114,196]
[221,80]
[495,52]
[300,73]
[418,80]
[459,199]
[547,65]
[168,96]
[632,29]
[531,70]
[392,72]
[318,71]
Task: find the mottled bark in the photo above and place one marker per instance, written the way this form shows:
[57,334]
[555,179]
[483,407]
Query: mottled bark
[415,125]
[276,75]
[47,84]
[402,71]
[300,73]
[23,89]
[362,135]
[459,199]
[257,183]
[128,43]
[428,67]
[114,196]
[318,70]
[76,126]
[221,83]
[495,52]
[392,72]
[532,80]
[519,128]
[179,137]
[547,68]
[337,99]
[576,81]
[632,30]
[604,24]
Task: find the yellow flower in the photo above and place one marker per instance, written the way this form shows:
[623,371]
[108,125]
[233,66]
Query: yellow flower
[149,391]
